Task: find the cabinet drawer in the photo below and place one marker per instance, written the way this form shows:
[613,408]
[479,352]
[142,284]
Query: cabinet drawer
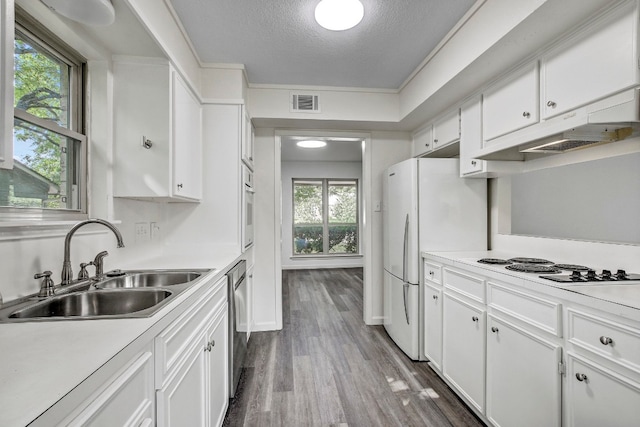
[614,341]
[470,286]
[432,273]
[538,312]
[171,343]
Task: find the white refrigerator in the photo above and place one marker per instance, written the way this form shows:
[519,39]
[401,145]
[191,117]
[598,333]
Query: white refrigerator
[426,207]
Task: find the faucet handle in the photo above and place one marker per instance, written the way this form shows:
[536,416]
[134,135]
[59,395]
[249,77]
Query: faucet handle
[46,288]
[84,274]
[98,262]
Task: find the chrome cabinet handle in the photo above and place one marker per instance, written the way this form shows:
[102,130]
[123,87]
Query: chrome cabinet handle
[473,162]
[551,104]
[435,297]
[435,141]
[526,114]
[474,318]
[494,329]
[179,185]
[581,377]
[431,273]
[210,345]
[426,145]
[606,340]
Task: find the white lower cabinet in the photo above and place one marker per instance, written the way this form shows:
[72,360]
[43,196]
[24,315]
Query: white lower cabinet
[523,380]
[197,393]
[597,396]
[463,348]
[433,326]
[126,401]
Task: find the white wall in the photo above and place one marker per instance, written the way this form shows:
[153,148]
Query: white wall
[290,170]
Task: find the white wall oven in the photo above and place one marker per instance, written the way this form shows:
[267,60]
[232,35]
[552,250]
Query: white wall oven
[247,207]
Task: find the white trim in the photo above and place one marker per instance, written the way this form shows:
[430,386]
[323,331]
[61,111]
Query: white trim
[277,227]
[443,42]
[182,30]
[366,236]
[218,101]
[320,88]
[7,23]
[223,65]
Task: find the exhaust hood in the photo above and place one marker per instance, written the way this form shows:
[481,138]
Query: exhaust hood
[605,121]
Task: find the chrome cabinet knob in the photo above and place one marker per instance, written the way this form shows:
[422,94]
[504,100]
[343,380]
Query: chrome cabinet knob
[581,377]
[210,345]
[431,273]
[606,340]
[426,145]
[473,162]
[526,114]
[494,329]
[551,104]
[435,297]
[475,318]
[179,185]
[435,141]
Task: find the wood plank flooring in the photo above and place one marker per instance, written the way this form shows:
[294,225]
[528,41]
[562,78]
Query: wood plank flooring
[327,368]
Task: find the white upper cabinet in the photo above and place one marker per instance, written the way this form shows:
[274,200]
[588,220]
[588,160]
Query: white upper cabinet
[157,133]
[247,140]
[596,62]
[446,130]
[422,143]
[512,104]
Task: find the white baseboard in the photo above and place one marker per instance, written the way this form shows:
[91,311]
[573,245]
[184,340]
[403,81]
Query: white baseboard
[377,320]
[265,327]
[317,267]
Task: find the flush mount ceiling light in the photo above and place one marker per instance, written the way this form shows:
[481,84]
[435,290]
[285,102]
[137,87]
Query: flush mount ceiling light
[89,12]
[311,143]
[339,15]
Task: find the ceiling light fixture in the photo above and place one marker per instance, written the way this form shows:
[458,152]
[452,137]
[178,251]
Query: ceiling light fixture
[339,15]
[89,12]
[311,143]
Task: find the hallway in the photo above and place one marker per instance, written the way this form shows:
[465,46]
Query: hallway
[326,367]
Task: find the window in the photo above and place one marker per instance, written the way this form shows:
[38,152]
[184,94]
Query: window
[325,216]
[47,177]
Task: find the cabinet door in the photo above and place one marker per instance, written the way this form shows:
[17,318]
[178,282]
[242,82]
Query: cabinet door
[141,99]
[597,396]
[446,129]
[433,326]
[422,143]
[218,368]
[247,140]
[598,61]
[470,136]
[187,141]
[523,380]
[512,104]
[126,401]
[463,348]
[182,401]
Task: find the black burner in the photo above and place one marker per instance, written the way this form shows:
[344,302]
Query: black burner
[571,267]
[533,268]
[531,260]
[497,261]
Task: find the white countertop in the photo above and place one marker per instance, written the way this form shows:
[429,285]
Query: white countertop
[40,362]
[620,298]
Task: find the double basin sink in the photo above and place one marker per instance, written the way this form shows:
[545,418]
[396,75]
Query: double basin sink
[129,294]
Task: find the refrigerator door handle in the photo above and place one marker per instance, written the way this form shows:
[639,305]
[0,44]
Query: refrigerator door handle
[405,293]
[405,249]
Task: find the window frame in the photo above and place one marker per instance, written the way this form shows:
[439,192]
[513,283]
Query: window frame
[325,217]
[21,21]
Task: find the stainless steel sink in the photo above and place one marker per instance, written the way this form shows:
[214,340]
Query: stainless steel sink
[91,304]
[131,294]
[148,279]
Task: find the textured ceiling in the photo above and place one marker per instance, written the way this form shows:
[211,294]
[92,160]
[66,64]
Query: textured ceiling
[335,151]
[279,41]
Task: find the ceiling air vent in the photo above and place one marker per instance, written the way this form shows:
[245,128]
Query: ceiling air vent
[304,103]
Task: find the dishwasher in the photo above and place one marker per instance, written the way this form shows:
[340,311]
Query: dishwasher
[237,299]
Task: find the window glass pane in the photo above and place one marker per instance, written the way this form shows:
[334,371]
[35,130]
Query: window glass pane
[41,81]
[343,214]
[45,170]
[307,217]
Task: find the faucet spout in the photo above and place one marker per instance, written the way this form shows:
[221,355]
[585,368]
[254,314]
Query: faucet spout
[67,273]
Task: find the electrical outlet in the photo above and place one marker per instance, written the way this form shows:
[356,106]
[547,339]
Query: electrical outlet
[155,231]
[142,233]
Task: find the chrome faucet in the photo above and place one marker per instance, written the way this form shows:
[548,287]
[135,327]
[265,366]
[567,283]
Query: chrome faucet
[67,273]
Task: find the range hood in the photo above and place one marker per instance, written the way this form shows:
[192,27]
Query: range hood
[605,121]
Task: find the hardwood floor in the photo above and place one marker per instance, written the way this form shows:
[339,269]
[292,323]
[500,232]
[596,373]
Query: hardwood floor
[327,368]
